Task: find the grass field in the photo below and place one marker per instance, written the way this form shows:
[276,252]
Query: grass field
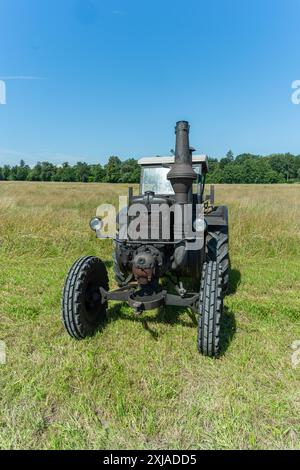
[140,383]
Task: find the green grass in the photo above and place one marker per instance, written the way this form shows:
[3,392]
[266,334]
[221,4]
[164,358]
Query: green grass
[140,383]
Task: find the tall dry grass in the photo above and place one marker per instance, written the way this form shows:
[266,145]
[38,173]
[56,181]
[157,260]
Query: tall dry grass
[53,217]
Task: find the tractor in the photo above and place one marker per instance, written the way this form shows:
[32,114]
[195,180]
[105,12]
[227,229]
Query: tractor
[171,234]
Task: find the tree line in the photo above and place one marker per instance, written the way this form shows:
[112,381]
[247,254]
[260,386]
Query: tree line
[244,168]
[249,168]
[114,171]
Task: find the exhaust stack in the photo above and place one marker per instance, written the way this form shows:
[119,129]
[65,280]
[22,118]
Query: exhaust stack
[182,174]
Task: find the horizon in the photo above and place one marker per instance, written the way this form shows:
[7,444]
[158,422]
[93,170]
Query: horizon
[85,80]
[210,157]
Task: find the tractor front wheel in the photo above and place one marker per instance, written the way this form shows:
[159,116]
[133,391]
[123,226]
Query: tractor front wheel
[82,308]
[210,309]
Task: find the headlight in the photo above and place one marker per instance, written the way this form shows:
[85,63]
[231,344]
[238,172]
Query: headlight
[199,225]
[96,224]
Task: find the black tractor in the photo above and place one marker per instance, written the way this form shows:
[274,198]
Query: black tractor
[169,234]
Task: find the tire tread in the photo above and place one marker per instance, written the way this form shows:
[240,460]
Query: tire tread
[210,309]
[72,290]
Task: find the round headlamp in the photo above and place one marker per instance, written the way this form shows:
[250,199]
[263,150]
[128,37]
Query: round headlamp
[199,225]
[96,224]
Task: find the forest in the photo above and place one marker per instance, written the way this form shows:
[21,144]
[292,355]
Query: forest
[244,168]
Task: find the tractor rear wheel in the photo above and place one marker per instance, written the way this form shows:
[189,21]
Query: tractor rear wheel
[120,277]
[217,249]
[210,309]
[82,309]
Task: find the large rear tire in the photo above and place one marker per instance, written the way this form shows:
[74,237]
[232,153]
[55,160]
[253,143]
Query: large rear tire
[210,309]
[82,309]
[217,249]
[120,276]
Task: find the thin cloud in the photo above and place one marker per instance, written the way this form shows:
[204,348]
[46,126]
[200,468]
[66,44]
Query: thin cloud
[22,77]
[13,157]
[62,157]
[9,152]
[118,12]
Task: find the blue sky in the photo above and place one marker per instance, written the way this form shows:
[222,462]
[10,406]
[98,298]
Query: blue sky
[88,79]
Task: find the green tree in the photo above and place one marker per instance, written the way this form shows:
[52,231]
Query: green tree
[97,173]
[113,170]
[233,173]
[66,173]
[35,172]
[6,172]
[82,172]
[226,160]
[284,164]
[130,171]
[230,156]
[246,156]
[22,171]
[48,171]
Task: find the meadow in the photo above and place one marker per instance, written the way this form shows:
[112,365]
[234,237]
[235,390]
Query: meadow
[140,382]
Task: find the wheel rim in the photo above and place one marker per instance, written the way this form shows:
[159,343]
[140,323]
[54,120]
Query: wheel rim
[92,302]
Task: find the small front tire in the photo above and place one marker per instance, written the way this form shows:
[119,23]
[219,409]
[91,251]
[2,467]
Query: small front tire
[82,308]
